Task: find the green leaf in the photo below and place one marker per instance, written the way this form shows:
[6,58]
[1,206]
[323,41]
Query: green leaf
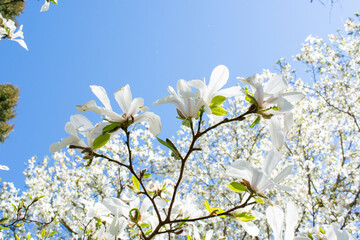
[310,236]
[147,175]
[148,232]
[16,237]
[166,144]
[53,1]
[237,187]
[54,232]
[257,120]
[43,232]
[135,182]
[218,111]
[321,230]
[259,200]
[207,206]
[189,237]
[182,223]
[101,140]
[30,196]
[15,208]
[144,225]
[111,127]
[1,227]
[134,215]
[171,146]
[4,220]
[245,216]
[186,123]
[217,101]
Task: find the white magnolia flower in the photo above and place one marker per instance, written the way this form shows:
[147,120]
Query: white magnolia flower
[259,180]
[218,79]
[248,226]
[275,218]
[9,29]
[271,102]
[129,106]
[46,5]
[126,209]
[186,101]
[3,167]
[79,124]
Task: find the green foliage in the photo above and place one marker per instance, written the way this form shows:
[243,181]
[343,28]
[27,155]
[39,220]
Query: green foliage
[10,9]
[9,96]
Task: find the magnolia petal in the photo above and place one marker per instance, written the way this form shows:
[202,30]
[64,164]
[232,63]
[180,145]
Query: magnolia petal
[283,174]
[271,161]
[218,78]
[291,219]
[293,97]
[124,98]
[64,142]
[241,169]
[197,84]
[184,89]
[90,106]
[3,167]
[115,205]
[45,6]
[135,106]
[275,218]
[250,228]
[152,119]
[21,42]
[209,234]
[288,121]
[230,92]
[276,133]
[71,129]
[81,123]
[275,84]
[283,104]
[101,94]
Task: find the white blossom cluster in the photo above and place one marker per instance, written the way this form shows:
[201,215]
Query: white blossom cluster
[225,178]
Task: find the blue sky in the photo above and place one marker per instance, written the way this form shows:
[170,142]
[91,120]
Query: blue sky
[147,44]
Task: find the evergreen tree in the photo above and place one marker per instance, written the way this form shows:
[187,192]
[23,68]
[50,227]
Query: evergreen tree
[9,96]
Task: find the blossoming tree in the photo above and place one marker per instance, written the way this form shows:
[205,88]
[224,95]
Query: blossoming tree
[261,151]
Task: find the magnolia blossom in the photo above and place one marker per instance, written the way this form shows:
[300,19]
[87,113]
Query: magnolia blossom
[270,101]
[218,79]
[186,101]
[275,218]
[3,167]
[127,208]
[248,226]
[46,5]
[8,30]
[259,180]
[129,106]
[79,124]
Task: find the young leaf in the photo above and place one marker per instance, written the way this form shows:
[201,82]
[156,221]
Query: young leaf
[245,216]
[54,232]
[217,101]
[166,144]
[237,187]
[147,175]
[259,200]
[207,206]
[111,127]
[101,140]
[43,232]
[257,120]
[135,182]
[218,111]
